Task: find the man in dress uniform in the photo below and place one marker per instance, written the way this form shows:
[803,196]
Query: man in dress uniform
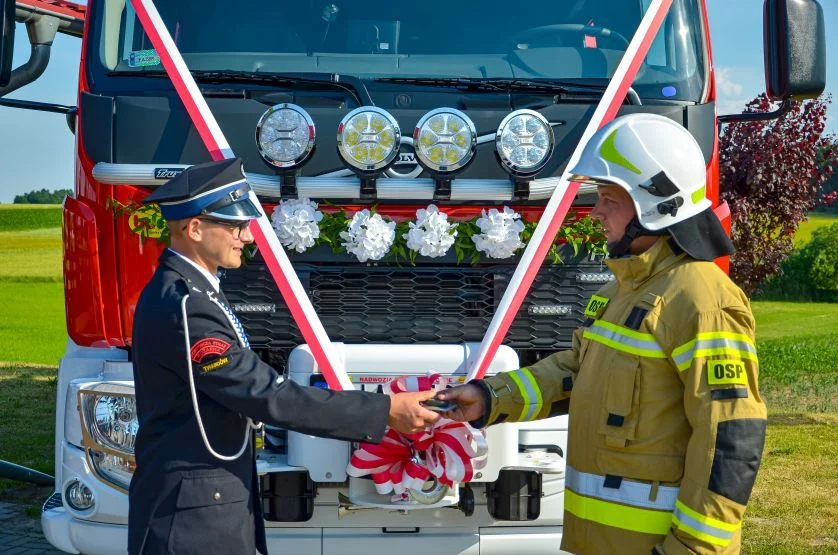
[199,387]
[667,424]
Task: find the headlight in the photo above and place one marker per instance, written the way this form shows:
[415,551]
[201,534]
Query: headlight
[285,135]
[368,139]
[524,141]
[445,140]
[109,427]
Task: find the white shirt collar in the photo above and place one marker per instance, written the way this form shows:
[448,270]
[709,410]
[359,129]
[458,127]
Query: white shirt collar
[214,281]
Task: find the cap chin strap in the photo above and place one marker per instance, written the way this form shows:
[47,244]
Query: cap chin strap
[633,231]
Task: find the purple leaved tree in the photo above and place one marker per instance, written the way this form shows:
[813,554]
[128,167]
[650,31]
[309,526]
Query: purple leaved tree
[770,174]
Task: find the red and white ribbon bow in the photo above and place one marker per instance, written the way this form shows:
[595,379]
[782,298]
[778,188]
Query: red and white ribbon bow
[448,452]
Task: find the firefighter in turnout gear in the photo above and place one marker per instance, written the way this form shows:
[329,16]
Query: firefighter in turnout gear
[667,424]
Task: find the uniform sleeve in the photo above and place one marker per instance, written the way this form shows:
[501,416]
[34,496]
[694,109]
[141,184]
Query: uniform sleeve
[716,358]
[236,378]
[537,391]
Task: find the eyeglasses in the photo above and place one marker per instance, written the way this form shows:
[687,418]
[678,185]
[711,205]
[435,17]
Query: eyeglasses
[236,227]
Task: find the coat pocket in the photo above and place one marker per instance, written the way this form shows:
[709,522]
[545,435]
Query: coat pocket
[650,467]
[212,515]
[619,413]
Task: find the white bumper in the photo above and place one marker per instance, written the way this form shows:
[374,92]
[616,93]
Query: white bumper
[78,536]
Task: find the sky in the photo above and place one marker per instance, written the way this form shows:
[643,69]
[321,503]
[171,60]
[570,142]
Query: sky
[36,148]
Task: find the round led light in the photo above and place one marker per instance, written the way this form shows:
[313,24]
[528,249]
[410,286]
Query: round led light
[444,140]
[285,135]
[368,138]
[78,496]
[524,141]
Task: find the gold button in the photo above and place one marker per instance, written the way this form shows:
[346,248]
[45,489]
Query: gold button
[216,496]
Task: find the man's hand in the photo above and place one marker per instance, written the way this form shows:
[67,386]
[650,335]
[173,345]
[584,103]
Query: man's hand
[470,402]
[407,415]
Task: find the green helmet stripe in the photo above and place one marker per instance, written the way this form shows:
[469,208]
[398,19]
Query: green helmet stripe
[698,195]
[610,153]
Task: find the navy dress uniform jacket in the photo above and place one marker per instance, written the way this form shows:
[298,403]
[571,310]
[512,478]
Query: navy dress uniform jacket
[182,499]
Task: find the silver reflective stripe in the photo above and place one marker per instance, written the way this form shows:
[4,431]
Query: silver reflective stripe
[699,526]
[635,494]
[630,341]
[717,343]
[529,392]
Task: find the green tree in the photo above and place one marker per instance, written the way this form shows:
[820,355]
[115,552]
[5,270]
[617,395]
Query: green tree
[43,196]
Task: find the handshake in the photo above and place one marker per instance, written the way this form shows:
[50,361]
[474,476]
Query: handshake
[412,412]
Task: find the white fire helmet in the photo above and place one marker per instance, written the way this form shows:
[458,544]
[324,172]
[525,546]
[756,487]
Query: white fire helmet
[661,166]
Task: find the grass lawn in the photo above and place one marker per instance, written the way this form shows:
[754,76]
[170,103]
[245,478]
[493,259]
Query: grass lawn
[33,255]
[22,217]
[32,323]
[804,232]
[787,319]
[793,508]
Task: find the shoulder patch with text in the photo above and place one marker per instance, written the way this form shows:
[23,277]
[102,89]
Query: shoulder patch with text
[595,306]
[215,365]
[726,372]
[210,346]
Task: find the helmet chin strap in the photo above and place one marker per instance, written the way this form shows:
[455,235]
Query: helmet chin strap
[633,231]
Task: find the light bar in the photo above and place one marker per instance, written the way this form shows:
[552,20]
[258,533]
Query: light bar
[594,277]
[550,310]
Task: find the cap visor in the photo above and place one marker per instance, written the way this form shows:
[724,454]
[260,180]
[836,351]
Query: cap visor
[238,211]
[702,236]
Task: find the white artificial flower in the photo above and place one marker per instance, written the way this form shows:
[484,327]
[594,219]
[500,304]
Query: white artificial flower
[501,235]
[296,223]
[431,235]
[368,237]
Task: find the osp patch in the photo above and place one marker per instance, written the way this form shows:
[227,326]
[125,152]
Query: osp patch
[726,372]
[596,306]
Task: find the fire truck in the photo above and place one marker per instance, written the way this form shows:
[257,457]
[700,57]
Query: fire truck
[498,67]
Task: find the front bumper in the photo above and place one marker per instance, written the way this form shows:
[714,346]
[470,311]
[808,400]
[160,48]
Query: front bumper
[73,535]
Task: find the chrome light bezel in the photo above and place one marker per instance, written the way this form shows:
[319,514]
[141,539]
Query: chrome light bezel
[507,163]
[448,168]
[95,445]
[309,147]
[394,149]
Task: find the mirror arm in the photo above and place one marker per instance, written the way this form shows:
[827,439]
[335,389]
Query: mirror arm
[42,30]
[29,71]
[782,110]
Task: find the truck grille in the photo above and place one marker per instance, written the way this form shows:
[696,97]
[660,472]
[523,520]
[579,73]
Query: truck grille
[423,304]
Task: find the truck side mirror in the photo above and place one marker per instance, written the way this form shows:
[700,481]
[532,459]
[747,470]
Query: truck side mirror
[7,41]
[795,49]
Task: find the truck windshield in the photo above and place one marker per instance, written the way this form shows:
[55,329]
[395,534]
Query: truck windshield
[564,40]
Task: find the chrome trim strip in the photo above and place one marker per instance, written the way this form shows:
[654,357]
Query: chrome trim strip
[343,184]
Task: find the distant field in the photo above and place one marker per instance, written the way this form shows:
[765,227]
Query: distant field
[22,217]
[804,232]
[32,255]
[783,319]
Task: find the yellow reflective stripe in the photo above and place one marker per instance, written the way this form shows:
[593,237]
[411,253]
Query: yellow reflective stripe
[725,335]
[700,535]
[624,339]
[634,334]
[703,527]
[530,392]
[708,520]
[714,343]
[698,194]
[647,521]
